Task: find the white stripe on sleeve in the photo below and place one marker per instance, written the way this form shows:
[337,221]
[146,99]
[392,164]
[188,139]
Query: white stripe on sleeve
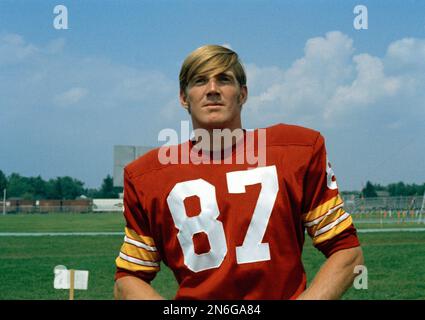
[138,261]
[331,225]
[139,244]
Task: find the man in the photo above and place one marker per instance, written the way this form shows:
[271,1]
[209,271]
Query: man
[231,230]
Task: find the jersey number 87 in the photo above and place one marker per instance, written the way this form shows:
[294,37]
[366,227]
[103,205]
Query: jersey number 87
[252,249]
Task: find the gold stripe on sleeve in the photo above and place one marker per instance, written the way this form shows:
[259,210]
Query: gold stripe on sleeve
[139,253]
[337,229]
[322,209]
[133,235]
[325,220]
[127,265]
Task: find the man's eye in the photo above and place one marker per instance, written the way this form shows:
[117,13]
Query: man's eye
[225,79]
[199,81]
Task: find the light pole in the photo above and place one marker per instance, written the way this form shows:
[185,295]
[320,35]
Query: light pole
[4,201]
[422,209]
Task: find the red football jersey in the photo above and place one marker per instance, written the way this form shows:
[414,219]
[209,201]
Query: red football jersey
[234,230]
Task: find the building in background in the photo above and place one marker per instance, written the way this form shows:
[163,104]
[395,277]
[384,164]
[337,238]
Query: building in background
[123,155]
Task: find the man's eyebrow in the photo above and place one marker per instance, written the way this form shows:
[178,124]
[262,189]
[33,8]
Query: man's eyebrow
[225,73]
[221,74]
[199,76]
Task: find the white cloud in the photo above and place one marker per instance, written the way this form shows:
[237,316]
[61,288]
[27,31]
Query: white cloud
[138,86]
[301,92]
[14,49]
[331,83]
[71,96]
[56,46]
[407,52]
[369,86]
[51,78]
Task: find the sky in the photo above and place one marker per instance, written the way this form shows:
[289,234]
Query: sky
[67,96]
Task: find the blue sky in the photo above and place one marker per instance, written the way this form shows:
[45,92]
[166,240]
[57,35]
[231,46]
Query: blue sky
[68,96]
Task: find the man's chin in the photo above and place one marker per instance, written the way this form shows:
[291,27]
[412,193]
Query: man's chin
[215,121]
[215,124]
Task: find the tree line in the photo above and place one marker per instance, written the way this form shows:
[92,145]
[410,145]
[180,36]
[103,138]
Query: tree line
[394,189]
[67,188]
[60,188]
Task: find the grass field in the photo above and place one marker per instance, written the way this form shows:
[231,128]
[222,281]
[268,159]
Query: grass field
[395,260]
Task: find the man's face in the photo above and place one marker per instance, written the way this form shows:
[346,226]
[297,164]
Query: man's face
[215,101]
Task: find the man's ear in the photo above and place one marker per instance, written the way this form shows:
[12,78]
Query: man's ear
[243,95]
[183,99]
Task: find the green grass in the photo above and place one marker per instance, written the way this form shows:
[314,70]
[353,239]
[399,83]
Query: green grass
[394,260]
[26,271]
[389,225]
[62,222]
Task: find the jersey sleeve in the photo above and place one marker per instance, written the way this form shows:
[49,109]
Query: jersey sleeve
[328,224]
[138,256]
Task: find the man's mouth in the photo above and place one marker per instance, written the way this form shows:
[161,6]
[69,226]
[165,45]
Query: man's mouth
[213,104]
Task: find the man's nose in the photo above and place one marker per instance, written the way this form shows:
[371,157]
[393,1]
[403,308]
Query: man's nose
[212,86]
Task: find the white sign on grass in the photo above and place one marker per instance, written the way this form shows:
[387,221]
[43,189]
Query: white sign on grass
[63,278]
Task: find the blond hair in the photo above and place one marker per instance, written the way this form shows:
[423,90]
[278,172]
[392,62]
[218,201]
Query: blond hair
[211,60]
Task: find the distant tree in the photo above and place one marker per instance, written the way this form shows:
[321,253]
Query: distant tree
[92,193]
[64,188]
[396,189]
[411,189]
[61,188]
[107,189]
[369,190]
[32,188]
[27,196]
[3,181]
[422,189]
[39,187]
[378,187]
[401,189]
[118,190]
[18,185]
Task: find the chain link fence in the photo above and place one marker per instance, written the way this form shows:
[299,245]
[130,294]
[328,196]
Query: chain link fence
[384,210]
[380,210]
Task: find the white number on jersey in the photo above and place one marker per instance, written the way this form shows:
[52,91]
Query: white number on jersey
[331,181]
[252,250]
[206,222]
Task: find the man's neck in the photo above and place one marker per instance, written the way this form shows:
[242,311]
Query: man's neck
[216,139]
